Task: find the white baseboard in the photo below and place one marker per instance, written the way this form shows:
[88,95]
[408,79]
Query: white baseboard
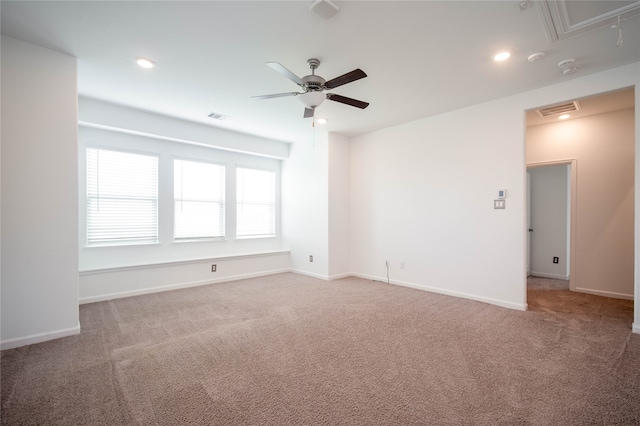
[635,328]
[339,276]
[38,338]
[605,293]
[497,302]
[553,276]
[310,274]
[177,286]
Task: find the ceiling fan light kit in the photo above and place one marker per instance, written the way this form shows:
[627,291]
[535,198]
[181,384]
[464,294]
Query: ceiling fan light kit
[313,87]
[312,99]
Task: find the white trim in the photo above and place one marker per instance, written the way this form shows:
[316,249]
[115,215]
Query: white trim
[148,290]
[311,274]
[183,262]
[545,275]
[38,338]
[339,276]
[497,302]
[605,293]
[635,328]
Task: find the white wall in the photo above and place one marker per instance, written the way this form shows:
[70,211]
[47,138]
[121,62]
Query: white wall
[112,283]
[305,216]
[39,194]
[549,221]
[94,112]
[603,147]
[339,206]
[422,193]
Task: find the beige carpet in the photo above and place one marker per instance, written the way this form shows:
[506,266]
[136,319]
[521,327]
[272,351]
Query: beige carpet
[289,349]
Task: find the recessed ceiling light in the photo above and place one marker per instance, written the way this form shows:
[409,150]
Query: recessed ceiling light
[564,117]
[145,63]
[501,56]
[322,120]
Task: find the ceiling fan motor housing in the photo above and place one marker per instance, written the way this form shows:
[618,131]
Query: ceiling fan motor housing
[313,82]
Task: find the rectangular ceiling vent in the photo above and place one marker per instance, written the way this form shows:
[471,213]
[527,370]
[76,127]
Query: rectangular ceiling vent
[558,109]
[217,116]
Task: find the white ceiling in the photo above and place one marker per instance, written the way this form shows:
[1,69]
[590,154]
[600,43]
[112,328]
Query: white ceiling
[422,57]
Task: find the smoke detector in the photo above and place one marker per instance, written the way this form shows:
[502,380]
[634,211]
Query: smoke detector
[568,66]
[536,56]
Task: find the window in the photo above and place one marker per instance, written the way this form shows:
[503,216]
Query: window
[256,209]
[122,197]
[198,200]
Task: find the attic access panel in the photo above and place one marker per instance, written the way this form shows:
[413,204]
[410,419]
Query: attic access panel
[565,19]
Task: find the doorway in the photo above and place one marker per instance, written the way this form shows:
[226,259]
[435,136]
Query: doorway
[601,230]
[551,208]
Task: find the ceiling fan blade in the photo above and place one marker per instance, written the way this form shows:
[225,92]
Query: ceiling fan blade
[354,75]
[282,70]
[344,100]
[276,95]
[308,112]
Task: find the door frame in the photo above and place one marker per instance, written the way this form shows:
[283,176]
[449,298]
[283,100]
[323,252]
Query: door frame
[573,213]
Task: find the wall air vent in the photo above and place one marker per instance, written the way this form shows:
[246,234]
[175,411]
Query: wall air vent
[558,109]
[217,116]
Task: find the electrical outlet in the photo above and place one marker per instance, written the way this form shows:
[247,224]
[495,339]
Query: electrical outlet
[556,260]
[214,268]
[310,258]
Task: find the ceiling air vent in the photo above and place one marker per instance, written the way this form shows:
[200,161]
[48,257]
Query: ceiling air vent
[217,116]
[558,109]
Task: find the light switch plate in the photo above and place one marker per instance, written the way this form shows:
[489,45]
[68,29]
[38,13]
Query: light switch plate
[498,204]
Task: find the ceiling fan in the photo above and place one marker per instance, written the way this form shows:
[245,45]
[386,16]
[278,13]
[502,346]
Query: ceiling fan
[313,87]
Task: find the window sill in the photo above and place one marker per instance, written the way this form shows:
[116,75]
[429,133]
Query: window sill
[255,237]
[92,246]
[199,240]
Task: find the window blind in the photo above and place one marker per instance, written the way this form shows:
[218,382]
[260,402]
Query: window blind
[256,198]
[198,200]
[122,197]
